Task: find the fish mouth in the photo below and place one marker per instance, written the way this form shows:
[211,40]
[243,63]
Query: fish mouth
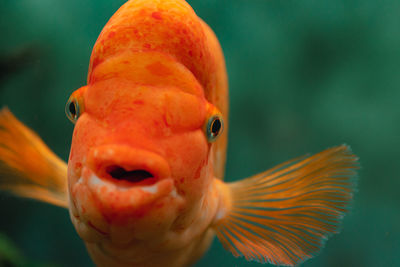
[99,204]
[129,192]
[124,182]
[127,166]
[122,176]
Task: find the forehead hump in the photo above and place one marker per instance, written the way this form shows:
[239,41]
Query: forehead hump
[169,27]
[151,68]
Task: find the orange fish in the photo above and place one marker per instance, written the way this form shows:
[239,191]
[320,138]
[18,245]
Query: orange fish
[144,181]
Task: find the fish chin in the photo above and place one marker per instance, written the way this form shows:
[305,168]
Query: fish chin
[120,213]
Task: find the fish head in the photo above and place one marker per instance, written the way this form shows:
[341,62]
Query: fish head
[141,149]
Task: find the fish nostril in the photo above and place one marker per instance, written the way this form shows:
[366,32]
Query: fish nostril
[119,173]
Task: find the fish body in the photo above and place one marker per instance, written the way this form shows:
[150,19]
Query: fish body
[152,71]
[144,185]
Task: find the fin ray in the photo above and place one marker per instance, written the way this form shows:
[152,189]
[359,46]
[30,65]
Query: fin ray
[28,168]
[284,215]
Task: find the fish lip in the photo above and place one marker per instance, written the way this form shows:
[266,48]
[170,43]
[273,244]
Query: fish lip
[104,204]
[130,159]
[116,195]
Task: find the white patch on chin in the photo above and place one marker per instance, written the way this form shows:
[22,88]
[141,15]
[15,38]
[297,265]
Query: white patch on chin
[173,193]
[150,189]
[80,180]
[96,181]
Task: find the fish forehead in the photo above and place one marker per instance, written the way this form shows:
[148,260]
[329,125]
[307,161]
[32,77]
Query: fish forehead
[123,102]
[148,68]
[169,27]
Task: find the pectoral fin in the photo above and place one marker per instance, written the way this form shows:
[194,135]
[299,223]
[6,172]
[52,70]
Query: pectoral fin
[284,215]
[28,168]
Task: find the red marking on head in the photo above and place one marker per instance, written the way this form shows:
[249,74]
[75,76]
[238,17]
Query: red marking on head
[159,205]
[138,102]
[203,164]
[165,120]
[146,45]
[156,15]
[111,34]
[159,69]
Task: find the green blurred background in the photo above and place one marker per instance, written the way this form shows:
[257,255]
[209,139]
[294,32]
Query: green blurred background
[304,75]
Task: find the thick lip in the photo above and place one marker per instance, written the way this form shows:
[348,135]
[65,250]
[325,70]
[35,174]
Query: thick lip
[127,166]
[107,160]
[125,196]
[121,198]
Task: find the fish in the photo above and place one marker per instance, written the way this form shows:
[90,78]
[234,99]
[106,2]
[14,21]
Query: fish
[144,183]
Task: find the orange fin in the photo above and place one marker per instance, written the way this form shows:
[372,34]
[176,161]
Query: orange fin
[284,215]
[28,168]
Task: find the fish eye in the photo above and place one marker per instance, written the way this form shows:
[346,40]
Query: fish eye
[214,127]
[72,109]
